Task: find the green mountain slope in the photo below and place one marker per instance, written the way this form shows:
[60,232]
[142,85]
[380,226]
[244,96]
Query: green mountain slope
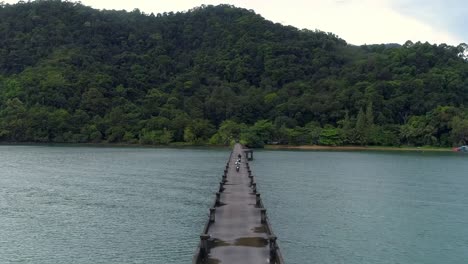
[69,73]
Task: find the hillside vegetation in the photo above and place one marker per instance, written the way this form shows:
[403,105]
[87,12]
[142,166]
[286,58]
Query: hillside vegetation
[70,73]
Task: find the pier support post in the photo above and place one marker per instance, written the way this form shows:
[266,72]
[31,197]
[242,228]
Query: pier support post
[221,187]
[273,246]
[218,198]
[257,199]
[204,247]
[212,214]
[263,215]
[254,187]
[248,154]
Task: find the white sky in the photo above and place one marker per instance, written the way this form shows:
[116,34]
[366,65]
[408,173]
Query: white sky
[356,21]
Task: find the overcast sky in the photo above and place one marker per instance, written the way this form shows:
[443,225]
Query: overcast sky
[356,21]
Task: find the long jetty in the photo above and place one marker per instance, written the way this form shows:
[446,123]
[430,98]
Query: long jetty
[238,230]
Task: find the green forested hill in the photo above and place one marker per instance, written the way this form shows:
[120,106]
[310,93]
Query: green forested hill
[69,73]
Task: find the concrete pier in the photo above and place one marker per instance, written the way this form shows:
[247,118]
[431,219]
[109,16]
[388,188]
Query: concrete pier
[237,230]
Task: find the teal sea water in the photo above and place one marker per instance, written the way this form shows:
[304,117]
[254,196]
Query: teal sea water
[145,205]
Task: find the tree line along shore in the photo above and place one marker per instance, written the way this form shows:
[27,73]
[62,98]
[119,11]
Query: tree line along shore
[73,74]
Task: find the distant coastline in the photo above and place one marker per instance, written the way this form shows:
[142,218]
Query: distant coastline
[268,147]
[111,145]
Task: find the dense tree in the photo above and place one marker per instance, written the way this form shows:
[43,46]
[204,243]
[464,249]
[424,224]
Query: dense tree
[459,130]
[214,74]
[361,131]
[330,136]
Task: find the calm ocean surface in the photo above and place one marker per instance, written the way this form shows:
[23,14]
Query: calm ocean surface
[145,205]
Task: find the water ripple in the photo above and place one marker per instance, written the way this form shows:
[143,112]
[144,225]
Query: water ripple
[104,205]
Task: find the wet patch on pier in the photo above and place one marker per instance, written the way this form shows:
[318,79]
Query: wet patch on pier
[251,242]
[219,243]
[212,261]
[260,229]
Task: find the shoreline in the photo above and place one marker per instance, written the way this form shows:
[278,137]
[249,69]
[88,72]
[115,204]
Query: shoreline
[357,148]
[267,147]
[110,145]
